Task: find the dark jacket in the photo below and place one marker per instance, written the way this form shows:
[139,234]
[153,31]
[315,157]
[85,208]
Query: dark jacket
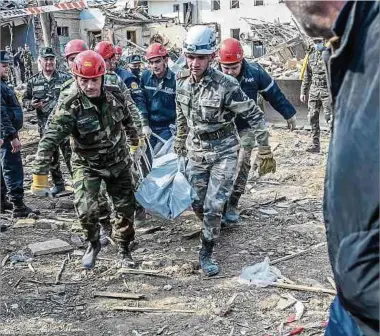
[132,84]
[159,107]
[11,113]
[351,201]
[253,80]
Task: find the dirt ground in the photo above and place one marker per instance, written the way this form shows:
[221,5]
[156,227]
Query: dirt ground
[282,214]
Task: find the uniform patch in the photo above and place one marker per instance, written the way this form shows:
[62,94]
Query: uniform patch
[134,86]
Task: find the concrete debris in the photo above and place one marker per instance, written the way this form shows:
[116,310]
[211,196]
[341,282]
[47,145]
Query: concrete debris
[50,246]
[279,47]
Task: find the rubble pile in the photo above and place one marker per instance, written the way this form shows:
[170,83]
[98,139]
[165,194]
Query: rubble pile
[284,47]
[289,70]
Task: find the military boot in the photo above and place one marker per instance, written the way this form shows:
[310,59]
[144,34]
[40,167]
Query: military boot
[57,189]
[105,234]
[231,214]
[89,257]
[124,255]
[315,147]
[20,210]
[5,205]
[209,266]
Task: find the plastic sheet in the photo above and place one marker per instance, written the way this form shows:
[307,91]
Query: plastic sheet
[165,191]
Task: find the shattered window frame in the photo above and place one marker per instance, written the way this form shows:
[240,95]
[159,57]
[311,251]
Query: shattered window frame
[215,5]
[235,33]
[234,4]
[175,8]
[63,31]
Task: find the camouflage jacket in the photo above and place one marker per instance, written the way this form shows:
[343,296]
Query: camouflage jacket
[39,87]
[27,58]
[209,106]
[315,73]
[97,135]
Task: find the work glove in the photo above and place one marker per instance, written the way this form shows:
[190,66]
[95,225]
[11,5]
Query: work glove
[135,152]
[147,131]
[40,186]
[265,161]
[292,123]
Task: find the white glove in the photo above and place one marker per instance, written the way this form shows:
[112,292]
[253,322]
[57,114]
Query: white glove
[147,131]
[292,123]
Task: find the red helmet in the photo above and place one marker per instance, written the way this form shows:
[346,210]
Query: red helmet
[156,50]
[89,64]
[230,51]
[75,47]
[118,50]
[105,49]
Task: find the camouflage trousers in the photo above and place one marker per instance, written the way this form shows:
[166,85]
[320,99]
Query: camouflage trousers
[12,79]
[118,184]
[318,99]
[247,143]
[105,209]
[55,169]
[213,183]
[28,71]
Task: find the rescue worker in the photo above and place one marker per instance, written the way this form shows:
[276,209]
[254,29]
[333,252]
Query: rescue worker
[72,49]
[107,51]
[97,121]
[253,79]
[42,92]
[114,83]
[158,84]
[351,195]
[134,65]
[11,170]
[28,61]
[207,103]
[314,85]
[12,80]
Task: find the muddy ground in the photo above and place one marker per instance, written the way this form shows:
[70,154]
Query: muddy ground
[31,303]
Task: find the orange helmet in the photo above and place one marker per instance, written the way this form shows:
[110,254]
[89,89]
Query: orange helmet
[105,49]
[89,64]
[118,50]
[230,51]
[156,50]
[75,47]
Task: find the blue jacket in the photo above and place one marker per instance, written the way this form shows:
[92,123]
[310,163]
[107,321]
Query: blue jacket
[253,80]
[351,197]
[132,84]
[158,108]
[11,113]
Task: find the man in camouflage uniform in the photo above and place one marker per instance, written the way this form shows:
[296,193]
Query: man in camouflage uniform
[42,94]
[97,121]
[28,62]
[314,83]
[114,83]
[207,103]
[12,74]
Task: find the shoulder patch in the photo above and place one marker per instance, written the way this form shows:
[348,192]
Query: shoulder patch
[134,86]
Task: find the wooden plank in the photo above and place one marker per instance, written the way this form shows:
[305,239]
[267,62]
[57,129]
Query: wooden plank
[124,296]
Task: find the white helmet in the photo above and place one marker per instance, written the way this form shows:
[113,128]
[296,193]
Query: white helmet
[200,40]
